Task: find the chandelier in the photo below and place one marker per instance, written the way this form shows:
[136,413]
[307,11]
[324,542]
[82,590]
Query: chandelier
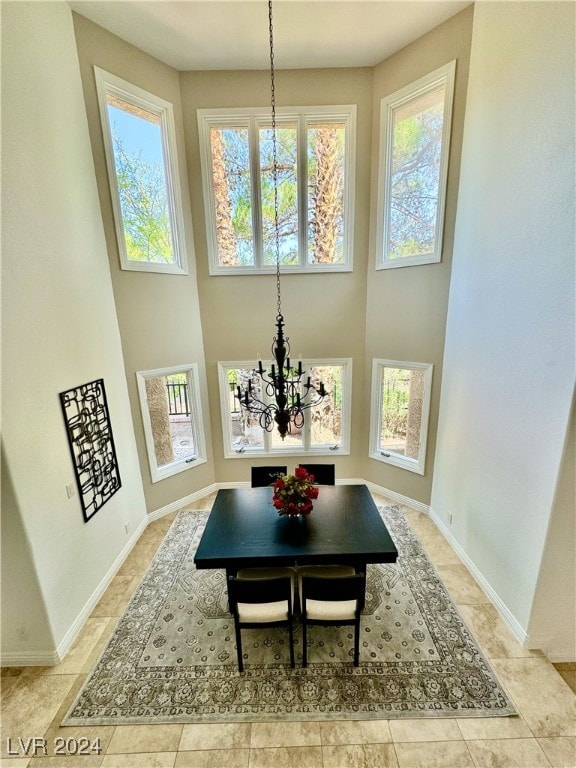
[288,397]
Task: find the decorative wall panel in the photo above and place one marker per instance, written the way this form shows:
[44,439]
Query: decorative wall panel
[91,443]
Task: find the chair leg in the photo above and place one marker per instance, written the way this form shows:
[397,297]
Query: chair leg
[357,644]
[291,638]
[239,649]
[304,654]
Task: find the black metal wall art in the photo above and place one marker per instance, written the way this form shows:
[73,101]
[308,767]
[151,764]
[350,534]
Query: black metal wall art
[89,431]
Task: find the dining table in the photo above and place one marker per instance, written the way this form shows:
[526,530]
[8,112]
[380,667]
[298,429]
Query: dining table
[244,530]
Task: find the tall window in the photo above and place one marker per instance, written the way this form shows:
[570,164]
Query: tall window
[414,147]
[140,146]
[315,190]
[400,409]
[172,419]
[327,426]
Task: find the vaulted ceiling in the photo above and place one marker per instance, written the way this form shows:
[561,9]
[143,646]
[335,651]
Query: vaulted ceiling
[233,34]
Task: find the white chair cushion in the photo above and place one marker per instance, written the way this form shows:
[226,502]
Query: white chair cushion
[262,613]
[331,610]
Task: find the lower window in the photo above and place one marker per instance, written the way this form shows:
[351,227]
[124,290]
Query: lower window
[170,404]
[400,409]
[326,427]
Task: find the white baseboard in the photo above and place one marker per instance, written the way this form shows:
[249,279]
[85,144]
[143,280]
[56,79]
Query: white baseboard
[556,652]
[174,505]
[563,656]
[30,659]
[72,634]
[398,497]
[53,657]
[197,495]
[514,625]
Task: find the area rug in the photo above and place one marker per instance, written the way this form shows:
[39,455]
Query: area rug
[172,658]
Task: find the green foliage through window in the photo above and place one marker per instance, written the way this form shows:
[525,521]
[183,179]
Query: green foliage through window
[144,206]
[143,175]
[414,149]
[415,178]
[313,191]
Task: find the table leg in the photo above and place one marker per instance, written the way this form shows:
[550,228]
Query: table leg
[229,572]
[361,568]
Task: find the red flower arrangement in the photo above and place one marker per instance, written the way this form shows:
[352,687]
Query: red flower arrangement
[293,494]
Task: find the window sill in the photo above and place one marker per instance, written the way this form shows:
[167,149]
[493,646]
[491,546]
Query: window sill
[412,465]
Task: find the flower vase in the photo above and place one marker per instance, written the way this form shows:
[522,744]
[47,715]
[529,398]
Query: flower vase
[293,494]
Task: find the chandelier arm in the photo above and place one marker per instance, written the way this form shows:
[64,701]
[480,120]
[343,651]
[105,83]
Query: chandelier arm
[298,419]
[255,406]
[266,420]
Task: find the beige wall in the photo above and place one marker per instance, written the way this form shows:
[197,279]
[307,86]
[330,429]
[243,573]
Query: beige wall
[512,504]
[324,313]
[158,315]
[552,624]
[398,314]
[406,307]
[59,330]
[501,480]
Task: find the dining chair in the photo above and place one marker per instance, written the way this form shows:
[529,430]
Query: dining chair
[332,601]
[262,476]
[261,602]
[270,573]
[324,474]
[327,571]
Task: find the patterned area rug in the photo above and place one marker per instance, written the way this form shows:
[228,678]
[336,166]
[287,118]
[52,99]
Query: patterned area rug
[172,657]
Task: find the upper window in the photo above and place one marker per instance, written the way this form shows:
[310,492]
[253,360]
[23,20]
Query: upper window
[315,189]
[170,405]
[326,427]
[140,147]
[414,146]
[400,408]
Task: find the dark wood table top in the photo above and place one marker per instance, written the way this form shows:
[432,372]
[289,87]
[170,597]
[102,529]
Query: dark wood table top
[245,530]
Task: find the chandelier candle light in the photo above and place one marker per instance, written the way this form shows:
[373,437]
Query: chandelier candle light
[283,383]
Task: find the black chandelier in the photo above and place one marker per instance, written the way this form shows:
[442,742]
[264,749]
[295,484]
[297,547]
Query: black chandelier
[283,382]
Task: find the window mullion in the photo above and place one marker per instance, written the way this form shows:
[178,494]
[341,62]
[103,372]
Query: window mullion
[302,174]
[256,189]
[378,446]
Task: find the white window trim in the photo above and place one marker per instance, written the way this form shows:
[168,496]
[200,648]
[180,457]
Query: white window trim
[413,465]
[252,119]
[107,82]
[442,76]
[342,450]
[180,465]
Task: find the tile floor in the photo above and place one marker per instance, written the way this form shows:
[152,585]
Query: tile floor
[34,700]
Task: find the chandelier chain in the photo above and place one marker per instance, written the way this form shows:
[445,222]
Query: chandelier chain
[280,398]
[274,157]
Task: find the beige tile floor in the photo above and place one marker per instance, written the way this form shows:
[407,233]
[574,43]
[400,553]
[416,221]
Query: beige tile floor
[34,700]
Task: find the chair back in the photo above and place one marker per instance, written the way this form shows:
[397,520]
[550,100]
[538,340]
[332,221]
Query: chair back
[324,474]
[272,590]
[263,476]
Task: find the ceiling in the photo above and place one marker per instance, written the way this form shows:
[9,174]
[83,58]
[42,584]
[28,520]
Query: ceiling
[233,34]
